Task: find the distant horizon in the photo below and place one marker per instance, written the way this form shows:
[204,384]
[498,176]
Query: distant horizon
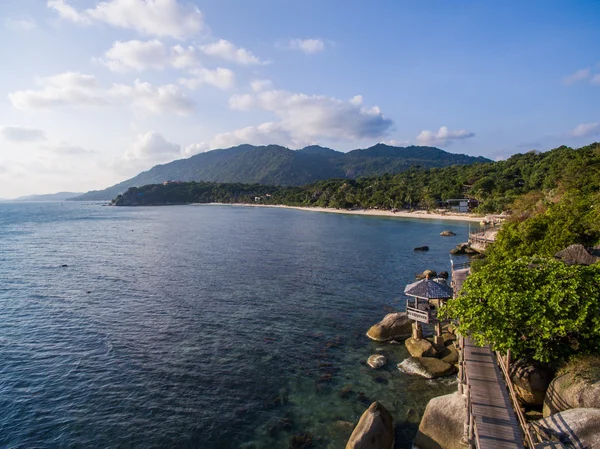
[103,90]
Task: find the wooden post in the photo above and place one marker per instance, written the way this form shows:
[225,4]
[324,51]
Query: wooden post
[417,333]
[508,363]
[437,339]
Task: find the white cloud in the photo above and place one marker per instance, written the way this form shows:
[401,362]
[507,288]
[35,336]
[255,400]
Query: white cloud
[396,143]
[586,129]
[220,77]
[241,102]
[302,120]
[153,147]
[20,24]
[148,17]
[76,89]
[153,54]
[18,134]
[66,149]
[258,85]
[226,50]
[443,135]
[579,75]
[264,134]
[308,46]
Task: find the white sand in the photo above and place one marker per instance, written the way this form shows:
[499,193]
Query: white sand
[451,216]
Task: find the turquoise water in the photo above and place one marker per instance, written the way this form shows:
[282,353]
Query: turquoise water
[203,326]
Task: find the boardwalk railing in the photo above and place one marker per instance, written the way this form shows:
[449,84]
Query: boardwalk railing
[504,363]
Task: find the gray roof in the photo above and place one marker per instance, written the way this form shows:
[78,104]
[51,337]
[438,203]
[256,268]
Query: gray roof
[429,289]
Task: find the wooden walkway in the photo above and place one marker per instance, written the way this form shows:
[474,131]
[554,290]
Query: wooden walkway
[495,424]
[492,422]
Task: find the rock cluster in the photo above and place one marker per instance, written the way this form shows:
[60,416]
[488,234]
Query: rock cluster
[447,234]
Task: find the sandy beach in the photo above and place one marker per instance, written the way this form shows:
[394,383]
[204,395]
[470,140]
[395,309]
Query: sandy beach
[450,216]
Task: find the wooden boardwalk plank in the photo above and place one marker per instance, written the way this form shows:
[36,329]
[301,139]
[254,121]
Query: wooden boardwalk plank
[496,425]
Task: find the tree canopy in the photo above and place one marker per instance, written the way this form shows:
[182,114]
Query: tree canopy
[538,308]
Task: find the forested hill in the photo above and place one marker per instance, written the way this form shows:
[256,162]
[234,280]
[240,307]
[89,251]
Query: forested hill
[280,166]
[496,185]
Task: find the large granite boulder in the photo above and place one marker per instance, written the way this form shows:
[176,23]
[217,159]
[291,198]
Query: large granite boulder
[375,430]
[426,274]
[394,326]
[531,380]
[572,390]
[442,425]
[376,361]
[420,348]
[426,367]
[575,428]
[577,255]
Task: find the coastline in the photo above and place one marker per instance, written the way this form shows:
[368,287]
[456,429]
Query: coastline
[450,216]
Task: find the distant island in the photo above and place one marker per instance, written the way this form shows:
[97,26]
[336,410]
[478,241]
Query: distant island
[490,187]
[60,196]
[280,166]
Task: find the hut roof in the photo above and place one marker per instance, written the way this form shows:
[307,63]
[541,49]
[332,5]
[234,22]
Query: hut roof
[429,289]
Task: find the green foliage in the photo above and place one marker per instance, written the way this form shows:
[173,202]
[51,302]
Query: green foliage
[538,308]
[280,166]
[496,184]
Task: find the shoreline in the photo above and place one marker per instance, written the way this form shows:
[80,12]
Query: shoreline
[450,216]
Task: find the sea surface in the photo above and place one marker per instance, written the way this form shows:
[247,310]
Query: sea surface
[203,326]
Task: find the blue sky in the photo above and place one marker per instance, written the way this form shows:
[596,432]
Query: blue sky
[94,92]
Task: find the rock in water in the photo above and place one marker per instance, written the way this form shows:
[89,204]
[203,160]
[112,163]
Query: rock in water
[420,348]
[426,274]
[394,326]
[442,425]
[422,248]
[426,367]
[376,361]
[375,430]
[447,234]
[531,381]
[578,427]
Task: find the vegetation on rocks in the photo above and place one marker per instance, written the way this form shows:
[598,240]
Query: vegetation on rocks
[519,297]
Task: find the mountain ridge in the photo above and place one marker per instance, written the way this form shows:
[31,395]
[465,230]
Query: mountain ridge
[278,165]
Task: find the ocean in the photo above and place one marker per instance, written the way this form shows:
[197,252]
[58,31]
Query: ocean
[203,326]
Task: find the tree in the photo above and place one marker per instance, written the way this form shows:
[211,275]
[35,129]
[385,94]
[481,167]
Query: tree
[538,308]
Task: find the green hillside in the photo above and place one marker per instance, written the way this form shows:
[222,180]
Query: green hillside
[496,185]
[276,165]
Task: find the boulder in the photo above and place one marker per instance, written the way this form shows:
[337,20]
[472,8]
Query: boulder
[447,234]
[422,248]
[376,361]
[425,274]
[426,367]
[442,425]
[460,249]
[572,390]
[578,427]
[449,355]
[443,274]
[577,255]
[531,381]
[375,430]
[394,326]
[420,348]
[448,337]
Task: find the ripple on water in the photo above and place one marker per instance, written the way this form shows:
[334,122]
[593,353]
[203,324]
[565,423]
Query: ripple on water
[208,327]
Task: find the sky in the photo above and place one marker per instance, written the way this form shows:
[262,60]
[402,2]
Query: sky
[93,92]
